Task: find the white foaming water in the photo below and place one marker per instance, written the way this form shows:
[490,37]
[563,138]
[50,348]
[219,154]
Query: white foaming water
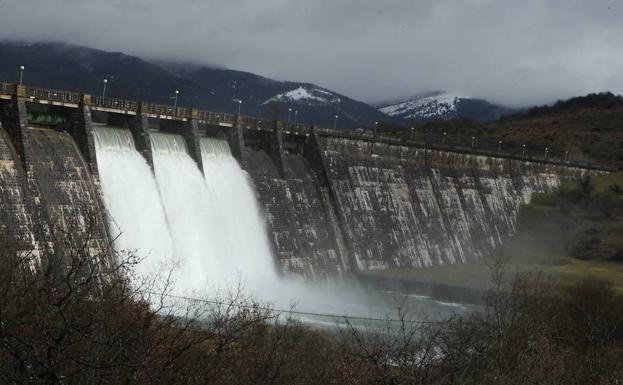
[217,233]
[210,227]
[240,233]
[185,199]
[136,215]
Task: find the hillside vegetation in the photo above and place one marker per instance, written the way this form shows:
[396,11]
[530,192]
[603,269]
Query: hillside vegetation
[81,324]
[584,219]
[590,128]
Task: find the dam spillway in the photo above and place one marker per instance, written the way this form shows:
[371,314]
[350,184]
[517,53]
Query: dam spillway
[209,226]
[135,212]
[311,203]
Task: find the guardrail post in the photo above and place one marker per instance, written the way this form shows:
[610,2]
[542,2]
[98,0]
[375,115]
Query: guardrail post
[81,129]
[139,127]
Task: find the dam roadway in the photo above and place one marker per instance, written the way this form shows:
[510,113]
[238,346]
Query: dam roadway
[333,201]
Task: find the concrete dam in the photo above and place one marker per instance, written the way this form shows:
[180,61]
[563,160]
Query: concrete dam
[230,194]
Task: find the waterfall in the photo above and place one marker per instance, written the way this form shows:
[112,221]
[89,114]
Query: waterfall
[185,200]
[210,228]
[136,216]
[217,234]
[240,229]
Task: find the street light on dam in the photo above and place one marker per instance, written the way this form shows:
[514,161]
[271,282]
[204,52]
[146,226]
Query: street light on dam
[104,89]
[239,104]
[177,92]
[21,74]
[335,122]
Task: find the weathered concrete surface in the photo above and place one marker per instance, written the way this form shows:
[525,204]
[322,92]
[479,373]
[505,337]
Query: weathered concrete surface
[411,207]
[65,190]
[299,221]
[17,216]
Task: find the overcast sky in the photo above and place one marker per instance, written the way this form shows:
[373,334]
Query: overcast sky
[515,52]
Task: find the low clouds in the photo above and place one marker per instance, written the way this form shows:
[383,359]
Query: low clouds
[508,51]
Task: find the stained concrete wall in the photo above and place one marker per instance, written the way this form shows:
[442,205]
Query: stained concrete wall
[68,197]
[302,226]
[18,226]
[411,207]
[49,183]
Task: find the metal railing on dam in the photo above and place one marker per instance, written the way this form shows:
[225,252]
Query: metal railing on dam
[72,99]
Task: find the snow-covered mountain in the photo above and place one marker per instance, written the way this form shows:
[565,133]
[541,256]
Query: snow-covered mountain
[62,66]
[444,106]
[306,95]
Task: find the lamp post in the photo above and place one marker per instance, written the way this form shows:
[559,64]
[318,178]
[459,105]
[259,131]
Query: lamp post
[296,115]
[443,140]
[335,122]
[566,156]
[177,92]
[21,74]
[239,104]
[546,152]
[104,89]
[499,146]
[376,125]
[473,141]
[289,113]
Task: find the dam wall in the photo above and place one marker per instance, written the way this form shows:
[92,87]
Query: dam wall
[18,227]
[49,187]
[331,203]
[403,206]
[68,196]
[299,219]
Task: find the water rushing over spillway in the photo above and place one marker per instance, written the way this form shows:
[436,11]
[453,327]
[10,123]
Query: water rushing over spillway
[209,227]
[137,218]
[240,231]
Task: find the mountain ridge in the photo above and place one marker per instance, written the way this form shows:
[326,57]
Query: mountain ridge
[443,106]
[63,66]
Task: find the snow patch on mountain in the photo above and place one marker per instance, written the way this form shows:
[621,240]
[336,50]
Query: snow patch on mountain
[305,95]
[432,107]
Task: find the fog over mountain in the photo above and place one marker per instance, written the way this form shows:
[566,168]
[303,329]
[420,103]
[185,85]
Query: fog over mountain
[508,52]
[63,66]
